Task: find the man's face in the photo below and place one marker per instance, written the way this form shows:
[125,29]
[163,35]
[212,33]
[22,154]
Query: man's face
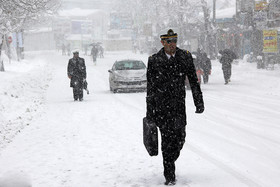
[169,45]
[76,55]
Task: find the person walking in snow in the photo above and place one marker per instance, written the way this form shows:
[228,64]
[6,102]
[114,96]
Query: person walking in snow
[165,99]
[206,67]
[226,61]
[63,49]
[68,49]
[94,53]
[76,71]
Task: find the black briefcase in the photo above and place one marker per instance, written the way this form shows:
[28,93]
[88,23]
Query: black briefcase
[85,86]
[150,137]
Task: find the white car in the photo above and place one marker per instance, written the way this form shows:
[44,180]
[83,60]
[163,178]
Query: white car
[128,75]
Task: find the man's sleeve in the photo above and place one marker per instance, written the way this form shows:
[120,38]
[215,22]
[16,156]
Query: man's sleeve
[84,69]
[69,69]
[149,76]
[150,93]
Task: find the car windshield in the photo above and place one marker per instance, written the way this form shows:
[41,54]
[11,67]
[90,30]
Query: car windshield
[129,65]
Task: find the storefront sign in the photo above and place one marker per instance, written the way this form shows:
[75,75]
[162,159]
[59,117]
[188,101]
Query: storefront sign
[260,5]
[270,41]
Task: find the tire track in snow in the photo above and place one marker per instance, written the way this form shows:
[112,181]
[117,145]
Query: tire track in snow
[239,176]
[244,130]
[254,103]
[135,104]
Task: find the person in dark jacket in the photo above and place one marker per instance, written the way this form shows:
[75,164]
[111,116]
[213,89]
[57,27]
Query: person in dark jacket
[94,52]
[206,67]
[76,71]
[226,61]
[165,99]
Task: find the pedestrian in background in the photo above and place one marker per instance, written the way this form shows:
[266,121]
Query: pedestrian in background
[76,71]
[206,67]
[226,61]
[94,53]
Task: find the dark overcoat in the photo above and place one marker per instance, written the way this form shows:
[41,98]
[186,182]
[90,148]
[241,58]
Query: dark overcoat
[226,61]
[206,65]
[77,70]
[166,87]
[227,58]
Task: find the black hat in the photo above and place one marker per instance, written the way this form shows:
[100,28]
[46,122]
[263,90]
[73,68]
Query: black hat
[170,34]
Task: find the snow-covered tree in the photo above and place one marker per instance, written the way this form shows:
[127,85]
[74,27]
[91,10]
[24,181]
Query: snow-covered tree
[17,15]
[185,15]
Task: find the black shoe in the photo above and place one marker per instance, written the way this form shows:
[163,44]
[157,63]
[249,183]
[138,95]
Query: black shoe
[75,99]
[170,183]
[81,99]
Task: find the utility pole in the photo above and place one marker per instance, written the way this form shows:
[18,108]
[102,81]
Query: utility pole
[206,41]
[214,12]
[215,28]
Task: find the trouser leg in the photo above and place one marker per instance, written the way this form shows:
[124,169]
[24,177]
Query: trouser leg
[205,77]
[172,143]
[229,73]
[78,91]
[226,74]
[81,93]
[75,93]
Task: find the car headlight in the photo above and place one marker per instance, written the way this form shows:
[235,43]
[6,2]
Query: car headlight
[118,77]
[144,77]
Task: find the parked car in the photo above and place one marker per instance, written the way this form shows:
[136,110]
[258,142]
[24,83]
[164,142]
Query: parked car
[128,75]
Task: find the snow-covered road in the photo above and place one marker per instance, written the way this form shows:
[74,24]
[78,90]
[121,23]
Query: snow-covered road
[98,142]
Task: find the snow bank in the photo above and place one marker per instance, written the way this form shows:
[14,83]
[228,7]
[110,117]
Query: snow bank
[22,88]
[15,179]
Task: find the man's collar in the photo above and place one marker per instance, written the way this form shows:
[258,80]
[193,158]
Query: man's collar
[169,56]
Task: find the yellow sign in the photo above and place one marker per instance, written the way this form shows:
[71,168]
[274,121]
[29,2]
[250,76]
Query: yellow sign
[260,5]
[270,41]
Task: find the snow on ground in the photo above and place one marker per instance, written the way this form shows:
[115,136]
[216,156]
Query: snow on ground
[48,140]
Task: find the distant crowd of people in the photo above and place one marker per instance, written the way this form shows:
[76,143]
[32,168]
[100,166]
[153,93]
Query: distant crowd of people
[66,49]
[96,51]
[203,65]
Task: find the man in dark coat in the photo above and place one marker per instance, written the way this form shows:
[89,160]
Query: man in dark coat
[166,94]
[226,61]
[206,67]
[94,52]
[76,71]
[198,55]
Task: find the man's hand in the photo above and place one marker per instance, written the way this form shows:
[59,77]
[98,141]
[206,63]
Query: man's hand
[149,120]
[199,109]
[69,76]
